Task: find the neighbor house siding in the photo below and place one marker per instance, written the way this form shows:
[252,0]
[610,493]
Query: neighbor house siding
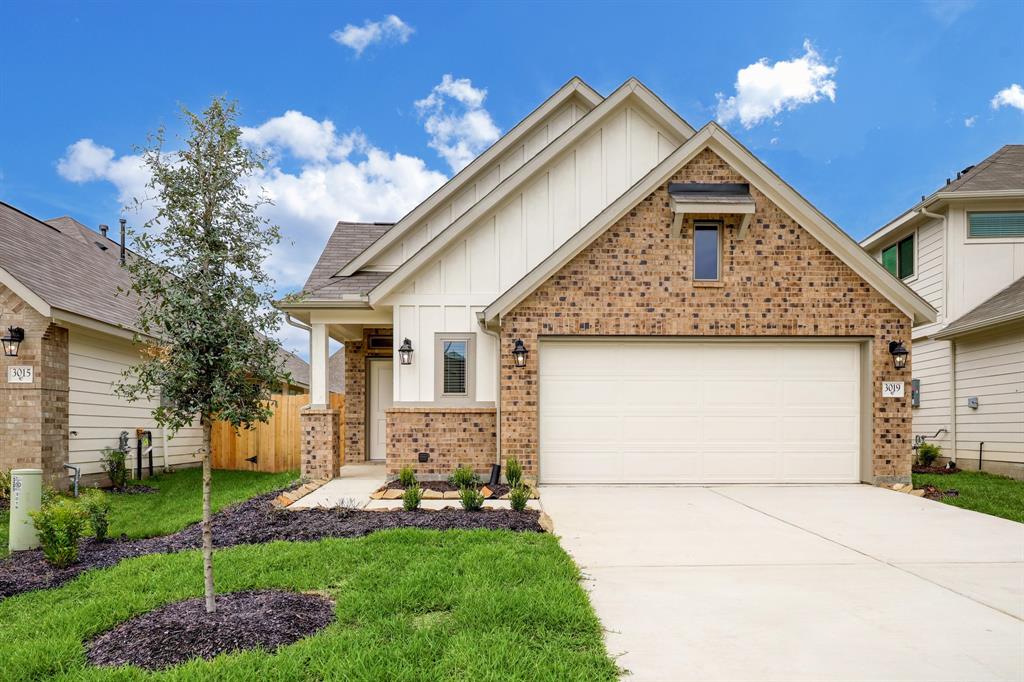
[931,364]
[505,244]
[97,416]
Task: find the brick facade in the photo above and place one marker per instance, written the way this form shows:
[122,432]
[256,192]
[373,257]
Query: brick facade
[453,436]
[636,280]
[34,417]
[356,354]
[321,456]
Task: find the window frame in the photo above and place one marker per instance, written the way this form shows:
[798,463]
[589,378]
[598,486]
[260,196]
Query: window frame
[718,225]
[994,239]
[913,259]
[440,338]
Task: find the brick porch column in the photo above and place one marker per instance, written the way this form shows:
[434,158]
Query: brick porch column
[321,449]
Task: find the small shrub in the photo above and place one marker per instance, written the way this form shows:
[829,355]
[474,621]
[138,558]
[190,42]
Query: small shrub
[5,485]
[928,453]
[407,477]
[518,497]
[97,508]
[411,498]
[115,465]
[464,477]
[471,499]
[513,472]
[60,525]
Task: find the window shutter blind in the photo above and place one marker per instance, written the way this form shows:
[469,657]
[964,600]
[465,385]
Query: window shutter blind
[455,376]
[889,259]
[1003,224]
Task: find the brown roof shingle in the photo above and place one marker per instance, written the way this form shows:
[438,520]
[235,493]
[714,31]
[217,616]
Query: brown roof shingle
[346,242]
[1001,171]
[1006,306]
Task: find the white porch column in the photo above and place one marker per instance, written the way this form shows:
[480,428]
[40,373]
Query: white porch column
[318,355]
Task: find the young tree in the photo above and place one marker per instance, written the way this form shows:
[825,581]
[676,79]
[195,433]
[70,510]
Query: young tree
[202,291]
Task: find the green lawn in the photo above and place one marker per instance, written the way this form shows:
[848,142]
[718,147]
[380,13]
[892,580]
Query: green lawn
[411,605]
[980,491]
[178,502]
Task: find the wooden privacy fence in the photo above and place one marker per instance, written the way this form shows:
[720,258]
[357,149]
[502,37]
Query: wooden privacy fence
[275,445]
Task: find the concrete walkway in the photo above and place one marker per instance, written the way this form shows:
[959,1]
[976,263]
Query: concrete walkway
[796,583]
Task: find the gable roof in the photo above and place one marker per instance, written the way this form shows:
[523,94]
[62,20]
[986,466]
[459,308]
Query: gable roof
[632,88]
[1000,175]
[575,87]
[1005,306]
[346,242]
[757,174]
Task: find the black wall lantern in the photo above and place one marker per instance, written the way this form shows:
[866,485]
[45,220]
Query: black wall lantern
[15,335]
[519,353]
[405,352]
[899,354]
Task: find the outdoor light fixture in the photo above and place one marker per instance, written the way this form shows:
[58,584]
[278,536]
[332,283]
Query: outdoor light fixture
[15,335]
[899,354]
[405,352]
[519,353]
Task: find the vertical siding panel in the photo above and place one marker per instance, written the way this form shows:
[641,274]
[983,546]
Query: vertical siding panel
[455,269]
[616,170]
[537,220]
[431,322]
[643,140]
[562,193]
[483,265]
[510,243]
[590,184]
[408,326]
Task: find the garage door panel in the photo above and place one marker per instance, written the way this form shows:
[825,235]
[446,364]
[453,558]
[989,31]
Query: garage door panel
[699,412]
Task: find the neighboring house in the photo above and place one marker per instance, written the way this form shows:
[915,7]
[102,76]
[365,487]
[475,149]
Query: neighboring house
[962,249]
[335,372]
[681,315]
[59,282]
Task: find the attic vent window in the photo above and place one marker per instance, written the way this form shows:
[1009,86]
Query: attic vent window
[994,225]
[377,342]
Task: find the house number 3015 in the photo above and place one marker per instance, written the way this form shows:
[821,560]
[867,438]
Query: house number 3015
[19,374]
[892,389]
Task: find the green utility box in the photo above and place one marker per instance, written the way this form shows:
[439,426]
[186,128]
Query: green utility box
[26,496]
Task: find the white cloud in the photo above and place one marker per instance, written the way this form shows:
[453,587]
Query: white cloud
[764,90]
[390,29]
[85,161]
[1012,96]
[970,121]
[304,137]
[947,12]
[459,126]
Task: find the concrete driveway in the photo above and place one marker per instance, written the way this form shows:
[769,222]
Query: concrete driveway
[796,582]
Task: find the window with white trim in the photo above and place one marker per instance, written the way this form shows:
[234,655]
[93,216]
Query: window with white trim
[454,369]
[898,258]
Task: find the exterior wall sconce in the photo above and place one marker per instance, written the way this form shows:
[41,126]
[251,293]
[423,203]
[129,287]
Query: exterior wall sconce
[899,354]
[519,353]
[405,352]
[15,335]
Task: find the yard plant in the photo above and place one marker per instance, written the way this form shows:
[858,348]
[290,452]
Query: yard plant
[518,497]
[407,477]
[60,525]
[97,508]
[464,477]
[114,462]
[513,472]
[927,453]
[471,499]
[411,498]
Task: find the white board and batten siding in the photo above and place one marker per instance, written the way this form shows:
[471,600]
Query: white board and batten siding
[96,416]
[505,244]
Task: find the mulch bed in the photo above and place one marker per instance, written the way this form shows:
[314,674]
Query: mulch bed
[934,470]
[446,487]
[178,632]
[252,522]
[933,493]
[131,490]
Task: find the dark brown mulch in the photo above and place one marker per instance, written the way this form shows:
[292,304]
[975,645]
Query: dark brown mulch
[933,493]
[139,489]
[252,522]
[4,503]
[934,470]
[178,632]
[446,487]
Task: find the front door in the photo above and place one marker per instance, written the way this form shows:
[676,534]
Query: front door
[379,401]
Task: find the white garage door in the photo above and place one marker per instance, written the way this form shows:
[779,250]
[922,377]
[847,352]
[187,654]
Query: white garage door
[699,412]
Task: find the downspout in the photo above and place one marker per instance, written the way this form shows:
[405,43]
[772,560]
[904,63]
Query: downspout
[497,382]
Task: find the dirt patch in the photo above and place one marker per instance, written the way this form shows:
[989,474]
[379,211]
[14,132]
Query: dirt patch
[252,522]
[933,493]
[446,487]
[181,631]
[934,470]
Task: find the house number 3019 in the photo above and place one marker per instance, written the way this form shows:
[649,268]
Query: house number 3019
[892,389]
[19,374]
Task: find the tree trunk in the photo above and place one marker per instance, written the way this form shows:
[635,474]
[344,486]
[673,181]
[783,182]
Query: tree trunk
[211,605]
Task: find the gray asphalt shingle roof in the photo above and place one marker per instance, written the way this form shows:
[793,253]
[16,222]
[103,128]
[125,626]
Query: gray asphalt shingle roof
[1002,170]
[1005,306]
[346,242]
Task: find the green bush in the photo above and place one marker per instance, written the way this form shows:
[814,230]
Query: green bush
[463,477]
[407,477]
[60,525]
[928,453]
[471,498]
[411,498]
[97,508]
[518,497]
[115,464]
[513,472]
[5,485]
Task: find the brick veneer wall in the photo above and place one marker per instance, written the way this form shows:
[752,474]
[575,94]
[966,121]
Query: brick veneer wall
[636,280]
[320,449]
[34,417]
[453,436]
[356,354]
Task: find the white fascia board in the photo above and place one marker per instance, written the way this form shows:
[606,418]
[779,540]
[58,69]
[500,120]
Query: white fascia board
[630,89]
[766,181]
[575,87]
[24,293]
[69,319]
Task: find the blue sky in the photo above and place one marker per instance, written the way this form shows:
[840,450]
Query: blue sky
[861,107]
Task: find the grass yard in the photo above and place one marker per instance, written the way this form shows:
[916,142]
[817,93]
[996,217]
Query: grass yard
[410,605]
[980,491]
[178,501]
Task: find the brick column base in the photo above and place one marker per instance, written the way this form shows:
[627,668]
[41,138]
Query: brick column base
[321,449]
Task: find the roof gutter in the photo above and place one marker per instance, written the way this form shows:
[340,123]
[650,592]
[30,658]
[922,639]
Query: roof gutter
[953,332]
